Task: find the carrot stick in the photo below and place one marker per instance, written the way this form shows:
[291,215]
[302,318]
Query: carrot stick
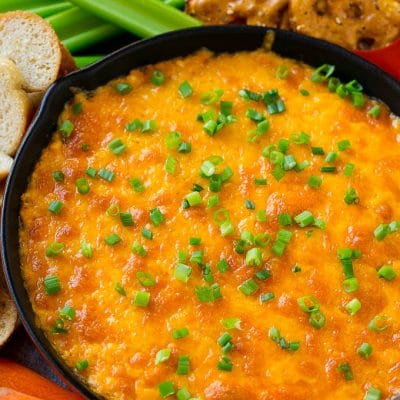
[9,394]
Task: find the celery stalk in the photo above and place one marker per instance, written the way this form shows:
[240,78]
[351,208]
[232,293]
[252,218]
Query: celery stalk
[11,5]
[140,17]
[48,10]
[78,29]
[83,61]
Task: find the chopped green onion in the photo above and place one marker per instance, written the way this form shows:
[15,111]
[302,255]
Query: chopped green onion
[157,78]
[351,196]
[119,289]
[365,350]
[106,174]
[166,389]
[328,169]
[350,285]
[117,146]
[136,184]
[56,206]
[68,313]
[197,257]
[82,185]
[226,228]
[194,199]
[226,107]
[183,365]
[231,323]
[304,92]
[156,217]
[249,287]
[274,103]
[185,89]
[86,249]
[296,268]
[247,95]
[322,73]
[171,164]
[375,111]
[133,125]
[82,365]
[141,299]
[123,87]
[314,181]
[113,210]
[254,115]
[223,265]
[66,128]
[261,216]
[145,279]
[387,273]
[211,97]
[341,91]
[381,231]
[263,274]
[282,72]
[173,140]
[344,145]
[112,239]
[225,364]
[58,327]
[317,319]
[353,306]
[226,174]
[285,219]
[358,99]
[249,204]
[182,393]
[77,108]
[58,176]
[373,394]
[91,172]
[180,333]
[52,284]
[208,293]
[308,304]
[54,249]
[162,356]
[317,151]
[346,369]
[148,126]
[85,147]
[260,181]
[265,297]
[224,339]
[282,239]
[300,138]
[182,272]
[379,323]
[194,241]
[333,84]
[184,148]
[331,157]
[289,162]
[207,168]
[254,257]
[278,172]
[213,201]
[138,249]
[126,218]
[304,219]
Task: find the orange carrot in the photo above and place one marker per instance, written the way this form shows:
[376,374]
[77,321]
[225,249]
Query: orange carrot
[9,394]
[15,376]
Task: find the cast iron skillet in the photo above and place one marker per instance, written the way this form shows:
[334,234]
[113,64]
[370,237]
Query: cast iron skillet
[219,39]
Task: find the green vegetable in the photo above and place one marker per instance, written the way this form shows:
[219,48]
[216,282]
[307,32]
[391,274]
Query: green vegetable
[162,355]
[84,61]
[141,299]
[52,284]
[166,389]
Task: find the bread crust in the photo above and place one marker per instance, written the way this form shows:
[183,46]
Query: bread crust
[8,316]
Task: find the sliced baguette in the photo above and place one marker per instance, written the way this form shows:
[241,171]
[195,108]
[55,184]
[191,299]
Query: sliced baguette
[8,316]
[33,45]
[15,110]
[5,165]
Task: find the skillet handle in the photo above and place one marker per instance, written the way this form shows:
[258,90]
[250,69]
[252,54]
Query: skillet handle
[387,58]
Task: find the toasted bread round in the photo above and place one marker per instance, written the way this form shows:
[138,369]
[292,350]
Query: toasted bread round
[32,44]
[5,165]
[8,316]
[361,24]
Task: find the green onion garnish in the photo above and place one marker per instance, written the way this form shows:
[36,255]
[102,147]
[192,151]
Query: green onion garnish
[249,204]
[348,170]
[317,319]
[156,216]
[54,249]
[171,164]
[344,145]
[365,350]
[141,299]
[375,111]
[194,199]
[133,125]
[58,176]
[85,147]
[106,174]
[373,394]
[162,356]
[138,249]
[351,196]
[148,126]
[322,73]
[58,327]
[223,265]
[300,138]
[68,313]
[86,249]
[381,231]
[166,389]
[197,257]
[282,239]
[52,284]
[328,169]
[278,172]
[247,95]
[77,108]
[182,393]
[254,115]
[81,365]
[173,140]
[157,78]
[304,92]
[265,297]
[211,97]
[123,87]
[66,128]
[82,186]
[350,285]
[379,323]
[113,210]
[225,364]
[314,181]
[185,89]
[331,157]
[184,148]
[285,219]
[249,287]
[136,184]
[261,216]
[145,279]
[304,219]
[117,146]
[194,241]
[119,289]
[180,333]
[260,181]
[91,172]
[308,304]
[112,239]
[231,323]
[273,102]
[317,151]
[254,257]
[208,294]
[346,369]
[358,99]
[353,306]
[263,275]
[182,272]
[213,201]
[183,365]
[282,72]
[126,218]
[56,206]
[387,273]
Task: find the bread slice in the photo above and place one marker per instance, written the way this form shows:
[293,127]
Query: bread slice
[8,316]
[32,44]
[5,165]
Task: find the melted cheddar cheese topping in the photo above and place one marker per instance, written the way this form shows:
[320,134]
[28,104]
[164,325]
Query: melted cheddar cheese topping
[252,253]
